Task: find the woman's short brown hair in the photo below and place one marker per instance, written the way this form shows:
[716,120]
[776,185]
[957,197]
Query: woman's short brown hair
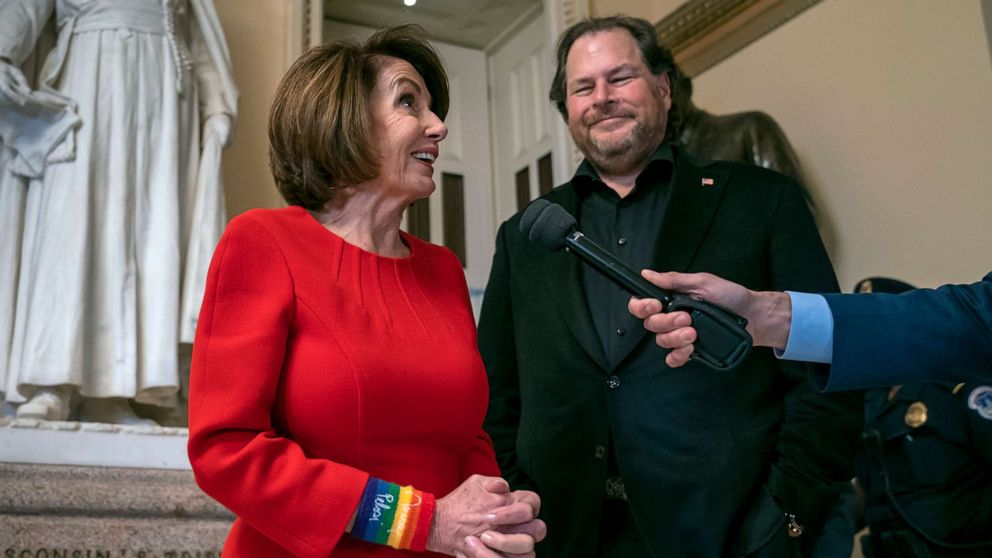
[321,134]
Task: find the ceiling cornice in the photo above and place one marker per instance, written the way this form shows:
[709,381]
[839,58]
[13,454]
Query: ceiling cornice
[702,33]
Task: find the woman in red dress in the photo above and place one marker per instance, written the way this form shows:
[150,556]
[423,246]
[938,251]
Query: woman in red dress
[337,394]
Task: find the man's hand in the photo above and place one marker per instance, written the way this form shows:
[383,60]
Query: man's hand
[769,314]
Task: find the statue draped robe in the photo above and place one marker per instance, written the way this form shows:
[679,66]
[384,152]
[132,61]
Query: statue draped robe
[123,205]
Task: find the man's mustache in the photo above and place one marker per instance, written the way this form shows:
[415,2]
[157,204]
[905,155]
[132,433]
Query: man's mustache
[600,116]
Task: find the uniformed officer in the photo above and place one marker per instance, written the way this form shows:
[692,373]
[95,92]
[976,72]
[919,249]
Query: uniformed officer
[927,467]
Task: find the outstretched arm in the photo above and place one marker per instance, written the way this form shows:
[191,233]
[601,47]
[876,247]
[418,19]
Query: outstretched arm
[769,314]
[875,339]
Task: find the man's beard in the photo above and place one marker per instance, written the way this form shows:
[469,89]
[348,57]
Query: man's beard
[622,155]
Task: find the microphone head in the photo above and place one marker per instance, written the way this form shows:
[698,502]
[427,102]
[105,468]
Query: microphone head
[530,215]
[546,224]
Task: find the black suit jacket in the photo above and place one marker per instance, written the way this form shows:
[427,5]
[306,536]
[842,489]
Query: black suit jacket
[710,459]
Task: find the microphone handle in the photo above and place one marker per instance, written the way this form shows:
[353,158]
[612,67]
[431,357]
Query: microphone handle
[723,341]
[593,254]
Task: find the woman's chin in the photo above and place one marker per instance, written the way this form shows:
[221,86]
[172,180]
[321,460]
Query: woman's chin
[423,191]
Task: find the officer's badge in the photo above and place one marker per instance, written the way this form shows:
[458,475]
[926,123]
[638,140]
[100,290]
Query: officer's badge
[916,415]
[980,399]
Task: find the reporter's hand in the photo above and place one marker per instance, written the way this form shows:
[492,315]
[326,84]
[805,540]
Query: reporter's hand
[768,313]
[673,330]
[484,506]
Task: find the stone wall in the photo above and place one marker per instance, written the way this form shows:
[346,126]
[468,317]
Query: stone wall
[106,512]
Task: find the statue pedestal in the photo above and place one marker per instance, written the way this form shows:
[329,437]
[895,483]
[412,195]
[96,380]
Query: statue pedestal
[83,490]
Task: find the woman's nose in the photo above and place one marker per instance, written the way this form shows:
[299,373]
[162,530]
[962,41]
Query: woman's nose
[436,130]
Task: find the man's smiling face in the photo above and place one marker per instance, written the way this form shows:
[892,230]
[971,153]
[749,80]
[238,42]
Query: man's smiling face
[617,109]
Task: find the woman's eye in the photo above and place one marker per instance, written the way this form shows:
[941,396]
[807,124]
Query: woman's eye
[406,100]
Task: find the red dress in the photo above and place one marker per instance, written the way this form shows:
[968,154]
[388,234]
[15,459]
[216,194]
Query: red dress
[317,364]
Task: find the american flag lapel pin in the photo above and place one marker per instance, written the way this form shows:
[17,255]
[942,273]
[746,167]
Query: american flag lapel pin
[707,181]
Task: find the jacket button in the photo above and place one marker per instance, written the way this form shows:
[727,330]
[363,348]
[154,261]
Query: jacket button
[600,452]
[613,381]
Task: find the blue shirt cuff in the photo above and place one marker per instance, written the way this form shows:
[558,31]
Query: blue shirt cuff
[811,333]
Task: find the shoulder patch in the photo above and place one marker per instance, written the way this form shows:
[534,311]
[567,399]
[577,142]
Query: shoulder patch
[980,399]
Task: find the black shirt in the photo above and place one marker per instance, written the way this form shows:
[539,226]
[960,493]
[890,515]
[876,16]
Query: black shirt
[626,227]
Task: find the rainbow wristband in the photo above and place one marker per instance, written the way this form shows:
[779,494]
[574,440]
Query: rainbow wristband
[393,515]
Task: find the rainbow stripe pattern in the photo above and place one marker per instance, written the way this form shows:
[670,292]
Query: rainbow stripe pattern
[394,515]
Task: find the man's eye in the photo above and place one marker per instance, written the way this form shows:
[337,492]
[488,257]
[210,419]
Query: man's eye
[582,90]
[622,79]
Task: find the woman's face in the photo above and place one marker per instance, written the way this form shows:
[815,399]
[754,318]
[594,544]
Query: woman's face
[407,131]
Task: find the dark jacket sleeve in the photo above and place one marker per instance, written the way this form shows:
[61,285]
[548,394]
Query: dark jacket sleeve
[498,347]
[819,435]
[923,335]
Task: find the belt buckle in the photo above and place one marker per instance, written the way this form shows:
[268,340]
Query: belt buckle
[615,489]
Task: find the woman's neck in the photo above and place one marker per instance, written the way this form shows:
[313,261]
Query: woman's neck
[362,216]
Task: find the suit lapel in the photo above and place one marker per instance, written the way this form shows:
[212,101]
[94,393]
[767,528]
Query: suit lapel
[692,203]
[693,198]
[564,282]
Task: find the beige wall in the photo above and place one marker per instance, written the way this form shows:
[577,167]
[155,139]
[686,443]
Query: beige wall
[889,105]
[257,36]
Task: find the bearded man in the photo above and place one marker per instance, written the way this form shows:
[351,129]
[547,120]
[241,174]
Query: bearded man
[633,458]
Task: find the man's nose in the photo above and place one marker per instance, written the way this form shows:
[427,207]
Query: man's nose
[602,95]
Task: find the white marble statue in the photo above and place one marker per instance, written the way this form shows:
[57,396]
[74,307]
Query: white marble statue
[14,86]
[12,192]
[120,142]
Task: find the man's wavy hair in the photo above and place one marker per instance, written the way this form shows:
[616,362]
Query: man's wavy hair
[321,127]
[657,58]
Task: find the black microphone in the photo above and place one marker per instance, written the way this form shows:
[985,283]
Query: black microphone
[722,341]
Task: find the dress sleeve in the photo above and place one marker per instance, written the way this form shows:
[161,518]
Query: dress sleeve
[238,458]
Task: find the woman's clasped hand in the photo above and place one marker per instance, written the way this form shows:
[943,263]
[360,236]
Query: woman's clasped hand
[483,518]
